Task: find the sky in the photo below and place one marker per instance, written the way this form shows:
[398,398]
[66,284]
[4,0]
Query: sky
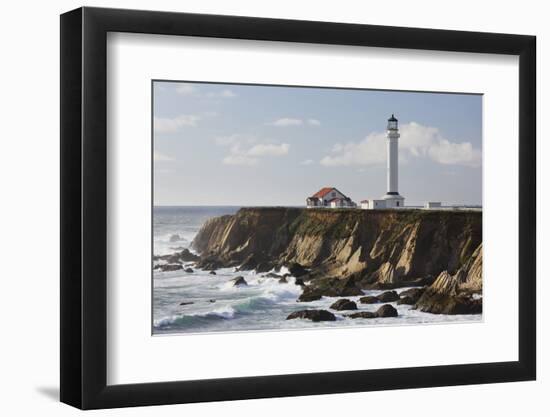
[255,145]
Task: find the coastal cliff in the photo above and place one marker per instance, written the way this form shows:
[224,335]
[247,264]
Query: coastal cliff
[338,252]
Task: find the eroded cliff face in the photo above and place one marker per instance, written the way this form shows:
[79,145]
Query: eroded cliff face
[363,248]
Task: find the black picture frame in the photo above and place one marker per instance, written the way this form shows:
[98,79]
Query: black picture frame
[84,207]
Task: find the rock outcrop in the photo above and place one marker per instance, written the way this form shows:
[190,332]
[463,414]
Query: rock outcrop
[458,293]
[313,315]
[339,252]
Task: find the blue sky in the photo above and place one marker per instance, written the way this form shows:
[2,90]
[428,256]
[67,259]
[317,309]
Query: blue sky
[227,144]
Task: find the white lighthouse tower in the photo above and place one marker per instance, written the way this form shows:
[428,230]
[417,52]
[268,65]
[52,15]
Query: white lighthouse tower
[392,197]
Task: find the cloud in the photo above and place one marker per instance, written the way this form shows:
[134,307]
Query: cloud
[186,89]
[286,121]
[239,160]
[416,141]
[289,121]
[268,150]
[245,150]
[191,90]
[307,162]
[157,156]
[172,125]
[223,94]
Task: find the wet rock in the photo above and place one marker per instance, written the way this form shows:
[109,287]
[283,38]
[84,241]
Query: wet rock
[175,238]
[300,282]
[363,315]
[388,296]
[179,257]
[407,300]
[414,293]
[449,304]
[189,270]
[387,310]
[170,267]
[283,280]
[313,315]
[272,275]
[369,299]
[212,272]
[212,301]
[330,287]
[297,270]
[239,281]
[344,304]
[186,303]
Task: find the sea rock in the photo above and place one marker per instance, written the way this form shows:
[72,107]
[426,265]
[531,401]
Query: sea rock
[283,280]
[186,303]
[175,238]
[189,270]
[212,272]
[369,299]
[330,287]
[297,270]
[388,296]
[300,282]
[313,315]
[344,304]
[238,281]
[414,293]
[272,275]
[363,315]
[212,301]
[179,257]
[170,267]
[387,310]
[407,300]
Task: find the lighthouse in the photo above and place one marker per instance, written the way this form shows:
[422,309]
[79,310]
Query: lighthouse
[392,197]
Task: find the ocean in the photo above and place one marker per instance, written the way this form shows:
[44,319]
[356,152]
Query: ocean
[212,304]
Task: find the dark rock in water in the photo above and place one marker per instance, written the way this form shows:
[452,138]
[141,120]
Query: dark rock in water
[170,267]
[283,280]
[388,296]
[386,310]
[179,257]
[344,304]
[186,303]
[299,281]
[297,270]
[189,270]
[313,315]
[175,238]
[407,300]
[449,304]
[238,281]
[272,275]
[212,301]
[330,287]
[212,272]
[369,299]
[363,315]
[414,293]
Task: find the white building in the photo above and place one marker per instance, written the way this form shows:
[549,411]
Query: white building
[329,197]
[392,198]
[432,204]
[373,204]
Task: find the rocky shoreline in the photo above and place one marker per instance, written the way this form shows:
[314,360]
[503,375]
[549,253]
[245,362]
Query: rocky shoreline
[340,253]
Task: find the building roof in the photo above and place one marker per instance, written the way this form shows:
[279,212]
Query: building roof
[322,192]
[392,118]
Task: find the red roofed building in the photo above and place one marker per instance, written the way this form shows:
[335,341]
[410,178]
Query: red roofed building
[329,197]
